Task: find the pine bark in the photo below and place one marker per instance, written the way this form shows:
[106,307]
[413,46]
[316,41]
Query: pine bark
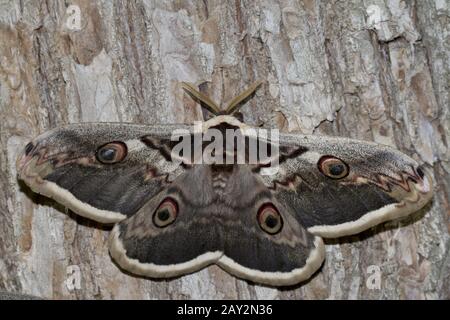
[372,70]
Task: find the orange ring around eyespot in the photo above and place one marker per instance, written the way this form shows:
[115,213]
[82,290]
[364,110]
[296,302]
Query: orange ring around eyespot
[174,207]
[325,161]
[121,152]
[269,206]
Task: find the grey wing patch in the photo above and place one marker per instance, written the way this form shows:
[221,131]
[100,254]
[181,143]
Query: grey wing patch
[381,184]
[4,295]
[63,164]
[216,224]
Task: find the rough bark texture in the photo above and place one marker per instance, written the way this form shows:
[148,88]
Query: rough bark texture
[368,69]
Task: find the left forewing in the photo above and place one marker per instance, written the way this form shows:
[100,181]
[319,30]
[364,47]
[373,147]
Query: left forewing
[103,171]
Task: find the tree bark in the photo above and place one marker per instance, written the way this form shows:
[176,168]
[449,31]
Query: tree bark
[373,70]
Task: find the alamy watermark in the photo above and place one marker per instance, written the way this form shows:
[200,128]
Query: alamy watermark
[227,146]
[73,21]
[373,281]
[73,280]
[374,18]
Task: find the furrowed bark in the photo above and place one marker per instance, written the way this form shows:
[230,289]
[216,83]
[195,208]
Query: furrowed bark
[373,70]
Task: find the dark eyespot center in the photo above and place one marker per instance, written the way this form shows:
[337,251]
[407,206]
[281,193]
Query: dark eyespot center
[163,214]
[108,154]
[336,169]
[271,221]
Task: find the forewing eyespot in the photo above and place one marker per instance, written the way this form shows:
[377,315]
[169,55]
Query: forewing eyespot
[112,152]
[333,167]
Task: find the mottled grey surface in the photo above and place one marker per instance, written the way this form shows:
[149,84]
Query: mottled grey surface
[17,296]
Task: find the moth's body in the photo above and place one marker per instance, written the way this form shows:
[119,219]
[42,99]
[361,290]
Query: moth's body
[175,219]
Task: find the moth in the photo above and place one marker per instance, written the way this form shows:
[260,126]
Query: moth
[174,216]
